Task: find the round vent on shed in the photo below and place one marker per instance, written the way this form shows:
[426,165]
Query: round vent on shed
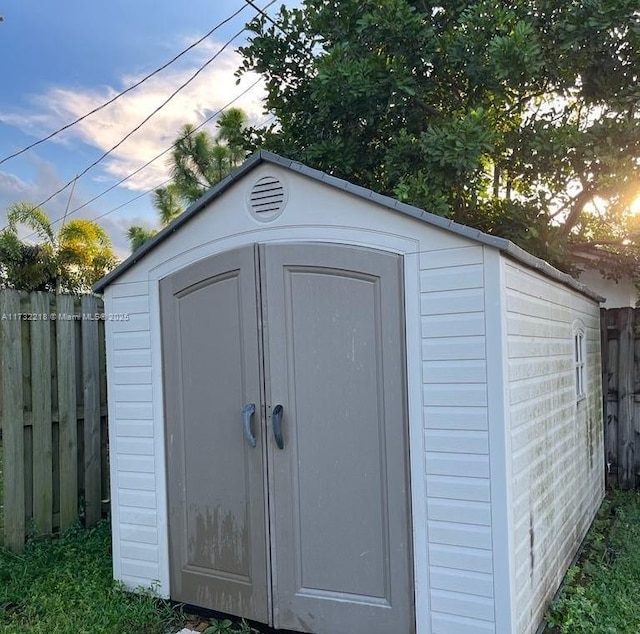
[267,198]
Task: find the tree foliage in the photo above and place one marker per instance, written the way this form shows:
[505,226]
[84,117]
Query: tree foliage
[138,235]
[520,118]
[197,162]
[69,260]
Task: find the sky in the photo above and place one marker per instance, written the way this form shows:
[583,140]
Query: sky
[60,60]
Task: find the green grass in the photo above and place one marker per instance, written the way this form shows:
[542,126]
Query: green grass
[64,586]
[602,591]
[1,495]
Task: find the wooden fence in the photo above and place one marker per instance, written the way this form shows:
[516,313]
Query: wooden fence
[620,331]
[54,463]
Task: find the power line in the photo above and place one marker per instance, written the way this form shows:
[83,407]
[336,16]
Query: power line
[145,120]
[161,154]
[270,119]
[266,16]
[131,200]
[140,125]
[139,169]
[150,161]
[168,180]
[124,92]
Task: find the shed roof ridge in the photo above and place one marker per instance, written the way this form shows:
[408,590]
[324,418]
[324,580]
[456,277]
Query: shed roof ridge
[265,156]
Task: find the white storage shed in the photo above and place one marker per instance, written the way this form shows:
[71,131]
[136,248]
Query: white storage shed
[336,413]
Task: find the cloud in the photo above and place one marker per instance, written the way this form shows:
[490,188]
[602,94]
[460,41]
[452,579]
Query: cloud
[12,187]
[212,89]
[46,180]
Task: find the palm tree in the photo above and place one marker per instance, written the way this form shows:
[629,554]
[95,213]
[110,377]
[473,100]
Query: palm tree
[71,260]
[84,254]
[168,204]
[197,162]
[138,235]
[230,130]
[192,163]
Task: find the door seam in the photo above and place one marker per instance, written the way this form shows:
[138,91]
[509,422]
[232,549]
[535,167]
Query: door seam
[265,408]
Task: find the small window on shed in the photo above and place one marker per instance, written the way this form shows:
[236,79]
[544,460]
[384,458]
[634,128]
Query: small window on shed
[579,354]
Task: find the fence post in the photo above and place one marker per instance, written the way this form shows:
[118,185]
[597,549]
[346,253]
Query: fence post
[12,420]
[91,382]
[41,412]
[626,434]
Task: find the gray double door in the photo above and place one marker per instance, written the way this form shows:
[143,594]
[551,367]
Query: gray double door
[287,447]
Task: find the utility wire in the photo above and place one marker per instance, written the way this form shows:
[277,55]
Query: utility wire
[131,200]
[74,180]
[145,120]
[266,16]
[124,92]
[161,154]
[168,180]
[66,211]
[155,158]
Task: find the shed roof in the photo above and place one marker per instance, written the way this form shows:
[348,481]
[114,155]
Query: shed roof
[262,156]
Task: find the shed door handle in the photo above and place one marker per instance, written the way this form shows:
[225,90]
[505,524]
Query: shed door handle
[276,422]
[247,412]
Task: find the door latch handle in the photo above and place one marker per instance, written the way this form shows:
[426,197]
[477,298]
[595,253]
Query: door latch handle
[276,422]
[247,412]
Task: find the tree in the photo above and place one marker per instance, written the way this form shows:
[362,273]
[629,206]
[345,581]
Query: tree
[71,260]
[231,124]
[197,162]
[520,118]
[194,167]
[138,235]
[167,202]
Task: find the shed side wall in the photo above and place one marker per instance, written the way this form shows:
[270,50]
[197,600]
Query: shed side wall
[556,439]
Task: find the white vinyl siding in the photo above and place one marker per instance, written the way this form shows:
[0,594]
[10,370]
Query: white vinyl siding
[137,557]
[456,439]
[556,444]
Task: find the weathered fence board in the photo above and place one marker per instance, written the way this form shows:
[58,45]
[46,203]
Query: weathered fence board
[91,383]
[621,394]
[12,430]
[52,389]
[67,423]
[42,435]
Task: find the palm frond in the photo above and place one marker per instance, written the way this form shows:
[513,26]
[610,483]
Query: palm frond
[33,217]
[167,202]
[137,236]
